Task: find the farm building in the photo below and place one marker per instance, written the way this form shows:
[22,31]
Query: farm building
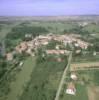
[73,76]
[9,56]
[71,89]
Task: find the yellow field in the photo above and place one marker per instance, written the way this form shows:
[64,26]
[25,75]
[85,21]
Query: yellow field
[83,66]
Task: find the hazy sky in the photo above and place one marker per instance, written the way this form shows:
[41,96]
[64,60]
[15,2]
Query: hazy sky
[48,7]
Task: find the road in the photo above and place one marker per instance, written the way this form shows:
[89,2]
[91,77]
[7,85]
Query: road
[63,77]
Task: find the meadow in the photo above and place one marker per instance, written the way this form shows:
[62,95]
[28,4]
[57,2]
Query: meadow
[16,80]
[44,81]
[81,93]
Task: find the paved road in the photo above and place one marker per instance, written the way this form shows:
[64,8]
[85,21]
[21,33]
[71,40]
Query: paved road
[63,77]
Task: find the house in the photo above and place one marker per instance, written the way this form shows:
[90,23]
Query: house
[94,53]
[9,56]
[76,45]
[57,47]
[83,24]
[57,52]
[21,47]
[71,89]
[73,76]
[78,51]
[21,63]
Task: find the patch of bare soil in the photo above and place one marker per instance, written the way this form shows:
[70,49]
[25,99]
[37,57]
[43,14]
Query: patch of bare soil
[91,94]
[96,91]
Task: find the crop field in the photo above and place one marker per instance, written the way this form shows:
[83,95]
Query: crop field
[86,58]
[91,80]
[6,28]
[54,27]
[21,79]
[87,86]
[86,65]
[81,93]
[39,76]
[93,92]
[44,81]
[92,28]
[96,35]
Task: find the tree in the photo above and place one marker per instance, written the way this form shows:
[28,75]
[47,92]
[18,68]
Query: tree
[3,66]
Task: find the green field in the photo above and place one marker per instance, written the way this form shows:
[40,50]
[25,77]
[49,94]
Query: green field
[44,81]
[85,58]
[39,78]
[89,76]
[6,28]
[57,27]
[21,79]
[81,94]
[91,80]
[92,28]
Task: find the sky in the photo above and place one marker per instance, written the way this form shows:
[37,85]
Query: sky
[48,7]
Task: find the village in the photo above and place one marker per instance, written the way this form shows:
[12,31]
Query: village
[30,46]
[56,64]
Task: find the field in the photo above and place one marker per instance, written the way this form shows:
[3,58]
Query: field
[6,28]
[92,28]
[39,77]
[87,70]
[20,79]
[44,81]
[93,92]
[85,58]
[81,94]
[91,80]
[57,27]
[84,66]
[87,86]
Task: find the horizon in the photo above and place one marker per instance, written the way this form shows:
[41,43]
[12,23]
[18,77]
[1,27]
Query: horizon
[48,15]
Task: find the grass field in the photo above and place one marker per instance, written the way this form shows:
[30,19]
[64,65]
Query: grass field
[21,79]
[54,27]
[40,81]
[44,81]
[81,94]
[6,28]
[91,80]
[93,92]
[96,35]
[87,86]
[92,28]
[85,58]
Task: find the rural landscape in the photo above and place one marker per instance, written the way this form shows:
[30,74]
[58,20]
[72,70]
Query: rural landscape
[49,58]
